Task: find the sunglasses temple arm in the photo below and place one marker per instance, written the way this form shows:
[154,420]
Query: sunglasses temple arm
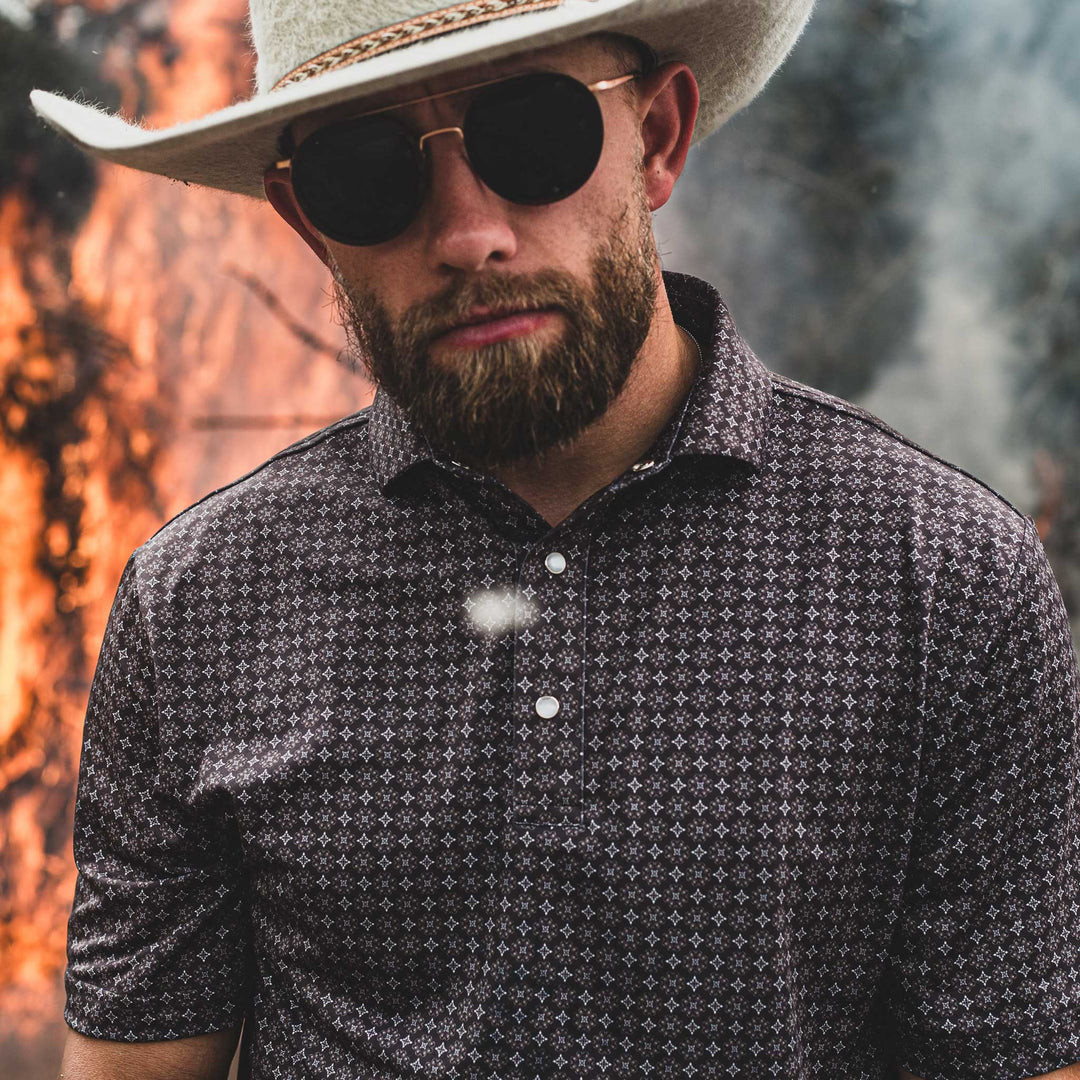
[610,84]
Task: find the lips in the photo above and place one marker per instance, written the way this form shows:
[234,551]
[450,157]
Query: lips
[480,315]
[486,327]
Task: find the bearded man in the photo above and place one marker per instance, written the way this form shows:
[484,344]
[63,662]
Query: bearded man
[596,703]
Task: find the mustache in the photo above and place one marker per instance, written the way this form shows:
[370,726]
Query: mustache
[428,319]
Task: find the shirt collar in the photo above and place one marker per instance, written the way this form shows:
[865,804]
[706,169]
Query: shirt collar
[726,409]
[395,446]
[724,414]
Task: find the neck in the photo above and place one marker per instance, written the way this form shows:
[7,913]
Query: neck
[657,386]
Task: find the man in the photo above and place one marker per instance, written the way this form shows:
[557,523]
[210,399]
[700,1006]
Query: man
[596,703]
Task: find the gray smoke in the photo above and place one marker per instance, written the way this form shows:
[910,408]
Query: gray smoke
[867,218]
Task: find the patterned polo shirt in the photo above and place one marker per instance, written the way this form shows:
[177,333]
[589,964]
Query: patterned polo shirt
[762,763]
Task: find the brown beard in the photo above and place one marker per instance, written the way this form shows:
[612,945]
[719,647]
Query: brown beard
[513,400]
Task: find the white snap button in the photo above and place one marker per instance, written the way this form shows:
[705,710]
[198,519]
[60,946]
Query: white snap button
[642,465]
[555,562]
[547,706]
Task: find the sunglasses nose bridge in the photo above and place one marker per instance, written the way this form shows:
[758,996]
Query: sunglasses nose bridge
[441,131]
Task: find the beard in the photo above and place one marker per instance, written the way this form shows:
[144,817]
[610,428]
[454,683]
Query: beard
[516,399]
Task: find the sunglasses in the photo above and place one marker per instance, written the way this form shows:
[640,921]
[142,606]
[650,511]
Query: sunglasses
[532,139]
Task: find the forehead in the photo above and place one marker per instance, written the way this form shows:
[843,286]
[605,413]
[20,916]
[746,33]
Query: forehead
[580,58]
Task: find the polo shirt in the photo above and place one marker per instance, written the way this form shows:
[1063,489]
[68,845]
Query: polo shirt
[763,762]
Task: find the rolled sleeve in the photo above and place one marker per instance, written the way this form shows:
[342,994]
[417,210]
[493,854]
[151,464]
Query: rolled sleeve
[987,952]
[158,938]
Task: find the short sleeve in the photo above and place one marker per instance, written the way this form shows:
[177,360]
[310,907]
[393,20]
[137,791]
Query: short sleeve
[158,938]
[986,968]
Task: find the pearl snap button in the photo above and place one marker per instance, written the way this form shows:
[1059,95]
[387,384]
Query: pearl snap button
[555,562]
[547,706]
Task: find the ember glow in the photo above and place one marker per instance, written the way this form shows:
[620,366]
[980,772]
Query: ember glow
[160,345]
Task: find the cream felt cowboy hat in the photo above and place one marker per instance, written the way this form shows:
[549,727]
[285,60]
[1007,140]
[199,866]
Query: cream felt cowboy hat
[312,54]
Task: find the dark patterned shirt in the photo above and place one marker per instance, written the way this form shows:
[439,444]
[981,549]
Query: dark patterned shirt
[763,763]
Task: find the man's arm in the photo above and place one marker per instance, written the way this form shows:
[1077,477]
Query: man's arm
[985,976]
[159,934]
[1071,1072]
[204,1057]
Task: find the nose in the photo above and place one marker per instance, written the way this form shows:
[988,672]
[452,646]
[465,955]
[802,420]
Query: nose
[468,225]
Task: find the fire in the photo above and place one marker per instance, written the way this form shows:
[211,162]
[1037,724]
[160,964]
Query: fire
[120,342]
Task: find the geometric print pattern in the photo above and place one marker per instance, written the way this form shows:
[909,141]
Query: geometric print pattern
[764,762]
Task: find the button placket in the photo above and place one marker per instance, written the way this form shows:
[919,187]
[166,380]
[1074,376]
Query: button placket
[548,743]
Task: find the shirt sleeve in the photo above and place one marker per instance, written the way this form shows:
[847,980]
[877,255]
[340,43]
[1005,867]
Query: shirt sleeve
[986,971]
[158,938]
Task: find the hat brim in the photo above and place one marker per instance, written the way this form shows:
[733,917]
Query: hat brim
[733,47]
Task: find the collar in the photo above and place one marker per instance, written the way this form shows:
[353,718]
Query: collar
[724,413]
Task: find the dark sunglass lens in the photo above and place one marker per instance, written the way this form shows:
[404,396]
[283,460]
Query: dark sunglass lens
[360,181]
[535,139]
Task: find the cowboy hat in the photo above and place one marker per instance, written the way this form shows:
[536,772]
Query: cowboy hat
[312,55]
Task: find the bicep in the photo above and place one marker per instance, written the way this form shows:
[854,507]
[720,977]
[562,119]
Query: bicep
[204,1057]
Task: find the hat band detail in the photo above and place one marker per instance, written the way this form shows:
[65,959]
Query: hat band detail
[410,31]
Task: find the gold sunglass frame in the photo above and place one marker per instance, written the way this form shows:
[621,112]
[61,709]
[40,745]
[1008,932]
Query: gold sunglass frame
[596,88]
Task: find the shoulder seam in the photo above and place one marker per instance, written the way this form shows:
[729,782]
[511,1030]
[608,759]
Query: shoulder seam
[784,385]
[356,419]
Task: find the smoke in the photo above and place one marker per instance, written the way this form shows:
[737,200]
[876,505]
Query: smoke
[868,217]
[16,13]
[998,163]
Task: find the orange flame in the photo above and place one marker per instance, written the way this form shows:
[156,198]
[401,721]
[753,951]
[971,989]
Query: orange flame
[149,289]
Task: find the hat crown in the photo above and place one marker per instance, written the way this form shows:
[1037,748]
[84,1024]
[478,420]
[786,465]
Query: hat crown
[288,33]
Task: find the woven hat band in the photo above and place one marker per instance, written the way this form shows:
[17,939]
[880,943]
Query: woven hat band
[408,32]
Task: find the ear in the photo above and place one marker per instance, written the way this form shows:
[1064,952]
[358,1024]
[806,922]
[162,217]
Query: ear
[668,107]
[277,183]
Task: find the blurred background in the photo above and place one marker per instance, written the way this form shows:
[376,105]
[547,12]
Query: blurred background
[896,220]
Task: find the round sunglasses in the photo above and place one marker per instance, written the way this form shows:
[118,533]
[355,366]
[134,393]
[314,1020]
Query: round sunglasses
[532,139]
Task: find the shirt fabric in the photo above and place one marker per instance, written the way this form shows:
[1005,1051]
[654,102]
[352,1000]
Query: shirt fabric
[762,763]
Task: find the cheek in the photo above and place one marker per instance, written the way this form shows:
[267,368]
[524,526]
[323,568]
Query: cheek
[382,273]
[608,207]
[614,191]
[566,234]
